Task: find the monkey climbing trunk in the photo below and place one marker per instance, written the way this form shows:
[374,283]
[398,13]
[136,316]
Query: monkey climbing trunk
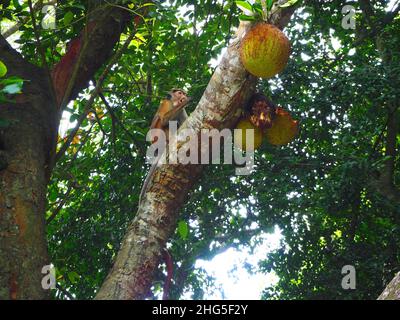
[220,107]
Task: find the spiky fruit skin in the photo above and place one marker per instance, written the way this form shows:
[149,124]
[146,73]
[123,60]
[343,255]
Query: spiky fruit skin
[284,129]
[265,50]
[243,125]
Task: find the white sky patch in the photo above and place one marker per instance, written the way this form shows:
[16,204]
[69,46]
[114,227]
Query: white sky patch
[305,57]
[234,281]
[391,5]
[214,62]
[336,43]
[65,123]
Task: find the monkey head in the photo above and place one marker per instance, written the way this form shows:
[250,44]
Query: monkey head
[261,111]
[179,97]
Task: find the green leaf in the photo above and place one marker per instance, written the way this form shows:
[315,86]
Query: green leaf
[183,229]
[270,4]
[16,4]
[4,123]
[53,194]
[78,6]
[147,4]
[12,88]
[68,17]
[3,69]
[74,117]
[3,99]
[73,276]
[10,85]
[243,17]
[245,7]
[257,8]
[288,4]
[12,80]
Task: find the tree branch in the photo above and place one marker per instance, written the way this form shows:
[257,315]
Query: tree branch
[98,39]
[115,119]
[391,15]
[368,11]
[168,189]
[60,205]
[385,182]
[14,61]
[392,290]
[38,6]
[93,95]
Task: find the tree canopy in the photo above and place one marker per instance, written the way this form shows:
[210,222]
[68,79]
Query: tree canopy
[332,191]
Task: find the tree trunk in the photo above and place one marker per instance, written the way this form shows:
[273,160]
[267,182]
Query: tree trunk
[28,142]
[220,107]
[392,291]
[25,146]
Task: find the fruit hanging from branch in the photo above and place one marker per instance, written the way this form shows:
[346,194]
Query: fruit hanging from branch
[268,121]
[258,115]
[243,141]
[265,50]
[283,130]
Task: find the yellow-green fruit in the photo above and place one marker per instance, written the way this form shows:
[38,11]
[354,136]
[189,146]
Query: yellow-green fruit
[264,51]
[242,142]
[284,129]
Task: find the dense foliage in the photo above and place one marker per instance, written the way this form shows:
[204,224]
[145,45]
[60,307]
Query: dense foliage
[320,190]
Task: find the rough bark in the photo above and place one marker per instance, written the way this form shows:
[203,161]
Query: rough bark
[27,147]
[384,182]
[392,291]
[87,53]
[169,187]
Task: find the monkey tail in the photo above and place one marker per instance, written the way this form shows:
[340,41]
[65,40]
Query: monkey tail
[147,180]
[170,270]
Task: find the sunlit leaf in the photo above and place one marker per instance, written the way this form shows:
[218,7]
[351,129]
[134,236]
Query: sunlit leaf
[288,4]
[3,69]
[73,276]
[243,17]
[284,129]
[246,7]
[183,229]
[68,17]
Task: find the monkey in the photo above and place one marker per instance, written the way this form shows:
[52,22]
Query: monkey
[172,108]
[261,111]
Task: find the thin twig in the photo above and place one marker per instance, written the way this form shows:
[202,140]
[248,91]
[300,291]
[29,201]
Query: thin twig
[70,187]
[94,94]
[41,50]
[64,292]
[60,206]
[115,119]
[38,6]
[98,119]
